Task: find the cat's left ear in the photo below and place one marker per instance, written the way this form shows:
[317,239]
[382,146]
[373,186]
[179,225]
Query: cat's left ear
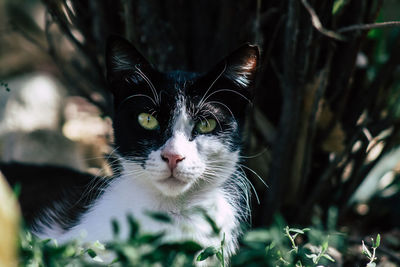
[240,67]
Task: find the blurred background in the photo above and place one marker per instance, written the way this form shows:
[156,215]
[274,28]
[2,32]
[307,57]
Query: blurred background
[324,129]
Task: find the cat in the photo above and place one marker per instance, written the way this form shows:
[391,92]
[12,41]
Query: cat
[177,137]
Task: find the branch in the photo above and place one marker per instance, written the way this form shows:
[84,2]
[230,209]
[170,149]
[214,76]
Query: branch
[129,23]
[59,17]
[357,27]
[363,27]
[68,78]
[28,37]
[318,25]
[288,124]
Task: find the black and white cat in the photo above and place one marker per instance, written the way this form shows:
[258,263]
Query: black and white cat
[178,139]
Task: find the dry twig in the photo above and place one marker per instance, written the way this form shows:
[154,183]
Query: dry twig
[318,25]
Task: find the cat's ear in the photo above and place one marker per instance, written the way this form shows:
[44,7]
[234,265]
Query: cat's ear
[241,65]
[232,81]
[122,56]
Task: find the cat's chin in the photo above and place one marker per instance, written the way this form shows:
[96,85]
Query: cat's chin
[172,186]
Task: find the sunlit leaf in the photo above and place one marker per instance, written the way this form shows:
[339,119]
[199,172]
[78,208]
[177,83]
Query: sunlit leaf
[208,252]
[378,241]
[366,251]
[328,257]
[338,5]
[294,230]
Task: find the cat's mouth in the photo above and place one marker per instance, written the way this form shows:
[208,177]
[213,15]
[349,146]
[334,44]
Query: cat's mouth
[172,181]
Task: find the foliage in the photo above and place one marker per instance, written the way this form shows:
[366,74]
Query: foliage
[278,245]
[140,249]
[371,256]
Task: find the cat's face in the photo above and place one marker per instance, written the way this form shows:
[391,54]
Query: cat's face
[178,130]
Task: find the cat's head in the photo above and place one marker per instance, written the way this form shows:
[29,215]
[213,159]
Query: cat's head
[177,131]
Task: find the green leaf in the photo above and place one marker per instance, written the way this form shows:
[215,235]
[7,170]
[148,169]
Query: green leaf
[208,252]
[337,6]
[150,238]
[114,261]
[99,245]
[371,264]
[220,256]
[133,227]
[115,227]
[214,226]
[159,216]
[314,257]
[366,251]
[299,264]
[17,187]
[45,241]
[378,241]
[91,253]
[375,33]
[70,251]
[258,235]
[326,256]
[294,230]
[187,247]
[270,247]
[324,246]
[211,222]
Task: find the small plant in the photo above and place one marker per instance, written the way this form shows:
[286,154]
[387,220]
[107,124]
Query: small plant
[319,253]
[371,256]
[139,249]
[211,251]
[281,245]
[277,246]
[292,233]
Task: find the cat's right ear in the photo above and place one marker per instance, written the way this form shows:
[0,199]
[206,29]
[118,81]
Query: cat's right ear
[123,57]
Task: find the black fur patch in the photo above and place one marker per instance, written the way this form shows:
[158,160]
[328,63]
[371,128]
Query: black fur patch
[67,193]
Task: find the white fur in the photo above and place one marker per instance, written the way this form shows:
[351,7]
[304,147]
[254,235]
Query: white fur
[195,183]
[241,73]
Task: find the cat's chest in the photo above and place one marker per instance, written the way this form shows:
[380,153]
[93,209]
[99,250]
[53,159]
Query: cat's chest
[128,197]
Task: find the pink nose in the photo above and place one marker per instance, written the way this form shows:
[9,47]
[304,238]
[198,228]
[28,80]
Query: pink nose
[171,159]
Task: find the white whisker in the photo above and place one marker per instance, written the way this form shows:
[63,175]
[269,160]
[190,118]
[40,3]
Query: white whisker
[142,95]
[149,83]
[256,174]
[227,90]
[252,186]
[200,104]
[256,155]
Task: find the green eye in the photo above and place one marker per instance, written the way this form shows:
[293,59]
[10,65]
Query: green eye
[206,126]
[147,121]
